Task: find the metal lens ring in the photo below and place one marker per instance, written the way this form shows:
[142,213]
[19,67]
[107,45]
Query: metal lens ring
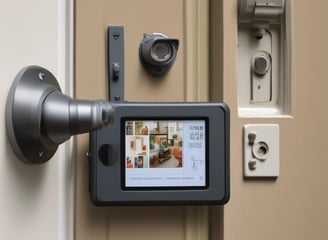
[161,51]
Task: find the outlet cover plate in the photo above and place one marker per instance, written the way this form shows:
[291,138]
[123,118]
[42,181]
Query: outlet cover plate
[261,155]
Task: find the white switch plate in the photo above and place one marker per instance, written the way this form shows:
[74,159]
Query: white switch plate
[264,97]
[261,155]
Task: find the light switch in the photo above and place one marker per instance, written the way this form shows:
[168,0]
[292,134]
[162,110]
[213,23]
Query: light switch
[261,150]
[264,55]
[261,75]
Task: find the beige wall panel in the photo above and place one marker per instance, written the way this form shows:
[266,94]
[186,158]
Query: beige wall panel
[137,17]
[295,205]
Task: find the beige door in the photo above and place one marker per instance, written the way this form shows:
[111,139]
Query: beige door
[187,81]
[294,206]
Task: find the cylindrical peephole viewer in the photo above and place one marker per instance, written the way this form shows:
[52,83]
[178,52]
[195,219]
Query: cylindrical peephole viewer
[157,53]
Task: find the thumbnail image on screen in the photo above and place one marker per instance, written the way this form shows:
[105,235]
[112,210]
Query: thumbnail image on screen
[165,153]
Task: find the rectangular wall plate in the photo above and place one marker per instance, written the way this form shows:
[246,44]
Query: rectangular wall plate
[261,150]
[264,92]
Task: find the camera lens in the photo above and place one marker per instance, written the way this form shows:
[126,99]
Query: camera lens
[157,53]
[161,51]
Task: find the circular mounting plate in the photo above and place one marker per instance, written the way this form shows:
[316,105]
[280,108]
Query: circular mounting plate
[24,114]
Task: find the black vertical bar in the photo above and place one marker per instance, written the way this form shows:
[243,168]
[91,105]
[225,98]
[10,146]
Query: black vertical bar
[115,41]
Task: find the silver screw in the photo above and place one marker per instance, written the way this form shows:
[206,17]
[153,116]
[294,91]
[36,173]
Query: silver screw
[41,76]
[40,154]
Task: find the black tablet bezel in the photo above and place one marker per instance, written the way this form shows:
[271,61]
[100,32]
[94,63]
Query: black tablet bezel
[106,178]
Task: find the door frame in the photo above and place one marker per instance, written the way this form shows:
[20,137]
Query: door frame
[66,152]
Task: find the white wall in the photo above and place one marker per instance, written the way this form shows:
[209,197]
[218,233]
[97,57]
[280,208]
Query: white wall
[36,201]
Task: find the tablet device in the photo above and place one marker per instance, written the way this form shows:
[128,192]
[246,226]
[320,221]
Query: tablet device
[161,154]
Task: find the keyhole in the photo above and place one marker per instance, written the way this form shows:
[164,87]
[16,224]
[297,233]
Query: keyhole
[260,150]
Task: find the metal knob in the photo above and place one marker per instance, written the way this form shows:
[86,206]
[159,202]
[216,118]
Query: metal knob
[261,63]
[39,117]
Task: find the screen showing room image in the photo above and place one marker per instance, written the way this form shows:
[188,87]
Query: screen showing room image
[165,153]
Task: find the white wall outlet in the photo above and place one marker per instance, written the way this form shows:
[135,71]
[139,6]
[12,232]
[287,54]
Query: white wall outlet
[261,150]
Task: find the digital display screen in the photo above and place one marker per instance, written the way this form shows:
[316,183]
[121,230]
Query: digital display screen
[165,153]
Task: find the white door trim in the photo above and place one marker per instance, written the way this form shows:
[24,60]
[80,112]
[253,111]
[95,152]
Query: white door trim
[66,156]
[37,201]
